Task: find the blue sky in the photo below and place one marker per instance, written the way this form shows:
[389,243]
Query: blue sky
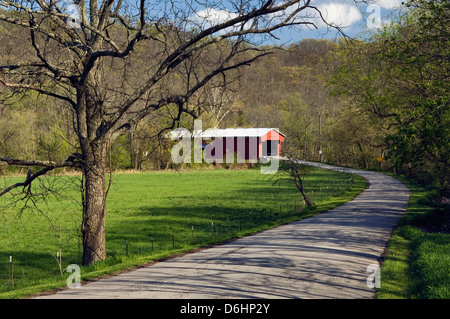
[351,17]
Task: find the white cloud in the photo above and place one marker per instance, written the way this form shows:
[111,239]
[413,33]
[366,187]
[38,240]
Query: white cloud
[340,14]
[389,4]
[210,17]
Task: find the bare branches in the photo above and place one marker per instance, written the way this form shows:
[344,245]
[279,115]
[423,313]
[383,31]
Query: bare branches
[30,178]
[175,29]
[264,18]
[111,31]
[70,63]
[18,162]
[292,169]
[48,166]
[37,89]
[201,40]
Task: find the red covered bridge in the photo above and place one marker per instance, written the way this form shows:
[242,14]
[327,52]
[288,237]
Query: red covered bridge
[246,143]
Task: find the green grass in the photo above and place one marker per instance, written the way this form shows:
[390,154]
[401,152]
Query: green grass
[180,211]
[417,263]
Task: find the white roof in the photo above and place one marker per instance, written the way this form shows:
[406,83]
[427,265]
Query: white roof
[237,132]
[229,132]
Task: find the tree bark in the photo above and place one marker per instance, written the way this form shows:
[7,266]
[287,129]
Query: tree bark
[299,185]
[94,141]
[299,182]
[94,208]
[305,198]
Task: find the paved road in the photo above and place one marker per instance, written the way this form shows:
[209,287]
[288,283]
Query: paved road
[325,256]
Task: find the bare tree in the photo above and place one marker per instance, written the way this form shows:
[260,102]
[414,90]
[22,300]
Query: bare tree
[86,54]
[292,170]
[219,102]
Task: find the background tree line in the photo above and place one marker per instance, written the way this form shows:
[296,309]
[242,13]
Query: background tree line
[355,100]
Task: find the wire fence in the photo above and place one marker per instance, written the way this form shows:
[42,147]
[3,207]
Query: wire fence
[208,232]
[21,270]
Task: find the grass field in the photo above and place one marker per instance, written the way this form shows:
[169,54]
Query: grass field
[150,216]
[417,264]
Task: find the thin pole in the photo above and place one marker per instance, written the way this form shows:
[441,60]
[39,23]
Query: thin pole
[11,274]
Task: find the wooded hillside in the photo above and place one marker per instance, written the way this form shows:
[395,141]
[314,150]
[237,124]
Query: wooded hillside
[356,101]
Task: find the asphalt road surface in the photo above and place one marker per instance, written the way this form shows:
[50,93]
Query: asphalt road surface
[332,255]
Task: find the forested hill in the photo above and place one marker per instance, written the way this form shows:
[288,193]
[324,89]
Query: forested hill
[358,101]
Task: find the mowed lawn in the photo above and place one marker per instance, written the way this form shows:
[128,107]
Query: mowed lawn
[150,216]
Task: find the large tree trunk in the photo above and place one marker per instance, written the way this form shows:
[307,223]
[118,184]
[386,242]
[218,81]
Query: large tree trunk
[93,143]
[94,210]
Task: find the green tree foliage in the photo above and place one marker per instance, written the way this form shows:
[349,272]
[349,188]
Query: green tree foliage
[296,123]
[421,145]
[401,77]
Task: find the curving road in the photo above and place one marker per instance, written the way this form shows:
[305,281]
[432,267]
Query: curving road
[326,256]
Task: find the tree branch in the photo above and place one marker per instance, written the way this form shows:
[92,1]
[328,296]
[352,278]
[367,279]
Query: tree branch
[20,162]
[48,166]
[186,49]
[39,90]
[30,178]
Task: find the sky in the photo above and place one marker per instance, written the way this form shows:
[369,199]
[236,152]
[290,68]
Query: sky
[352,18]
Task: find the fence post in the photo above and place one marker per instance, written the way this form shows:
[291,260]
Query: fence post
[11,274]
[193,233]
[152,243]
[126,247]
